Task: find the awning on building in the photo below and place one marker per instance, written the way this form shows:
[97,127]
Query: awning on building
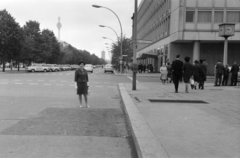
[150,54]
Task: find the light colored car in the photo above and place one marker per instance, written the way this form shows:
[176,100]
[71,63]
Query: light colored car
[53,67]
[108,68]
[37,67]
[89,68]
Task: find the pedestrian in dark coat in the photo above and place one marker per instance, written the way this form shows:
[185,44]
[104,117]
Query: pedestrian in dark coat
[219,70]
[187,72]
[81,83]
[202,75]
[169,75]
[177,66]
[144,68]
[196,73]
[225,75]
[234,71]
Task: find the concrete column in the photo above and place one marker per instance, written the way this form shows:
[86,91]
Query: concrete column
[225,54]
[159,62]
[156,64]
[196,50]
[169,50]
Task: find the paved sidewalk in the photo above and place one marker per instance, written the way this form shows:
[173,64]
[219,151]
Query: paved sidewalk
[184,130]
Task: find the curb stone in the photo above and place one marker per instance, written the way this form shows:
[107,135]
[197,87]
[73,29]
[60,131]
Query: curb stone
[147,144]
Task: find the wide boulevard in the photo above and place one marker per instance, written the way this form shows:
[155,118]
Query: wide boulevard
[40,116]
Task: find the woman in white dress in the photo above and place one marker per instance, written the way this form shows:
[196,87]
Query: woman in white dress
[164,72]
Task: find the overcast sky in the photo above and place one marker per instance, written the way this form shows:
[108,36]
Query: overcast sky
[80,21]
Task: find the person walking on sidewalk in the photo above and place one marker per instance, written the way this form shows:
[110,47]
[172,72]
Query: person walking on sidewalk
[163,73]
[219,69]
[202,75]
[234,71]
[177,66]
[196,73]
[81,83]
[187,72]
[169,75]
[225,75]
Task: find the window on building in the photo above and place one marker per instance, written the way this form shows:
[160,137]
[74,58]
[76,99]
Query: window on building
[233,16]
[190,16]
[204,16]
[218,17]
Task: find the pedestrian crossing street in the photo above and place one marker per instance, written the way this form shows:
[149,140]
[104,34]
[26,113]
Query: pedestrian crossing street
[38,82]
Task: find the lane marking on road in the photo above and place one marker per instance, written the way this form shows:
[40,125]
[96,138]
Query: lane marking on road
[3,83]
[16,80]
[63,81]
[18,83]
[33,84]
[131,79]
[95,82]
[52,80]
[98,71]
[46,84]
[60,74]
[71,85]
[40,80]
[28,80]
[59,84]
[111,86]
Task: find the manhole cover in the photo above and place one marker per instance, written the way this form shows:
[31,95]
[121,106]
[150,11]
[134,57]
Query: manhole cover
[177,101]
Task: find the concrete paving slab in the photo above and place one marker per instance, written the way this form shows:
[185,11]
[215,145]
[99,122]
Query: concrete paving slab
[15,146]
[188,129]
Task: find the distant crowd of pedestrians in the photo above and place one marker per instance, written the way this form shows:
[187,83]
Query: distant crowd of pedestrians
[196,74]
[143,68]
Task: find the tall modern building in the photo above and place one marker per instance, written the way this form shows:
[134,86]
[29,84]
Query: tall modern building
[188,28]
[103,55]
[59,26]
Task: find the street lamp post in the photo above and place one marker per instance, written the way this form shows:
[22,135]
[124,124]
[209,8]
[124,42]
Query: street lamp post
[134,87]
[108,38]
[97,6]
[111,29]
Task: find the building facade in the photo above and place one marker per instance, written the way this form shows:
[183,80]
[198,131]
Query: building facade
[188,28]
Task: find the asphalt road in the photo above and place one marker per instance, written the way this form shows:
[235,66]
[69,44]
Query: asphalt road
[40,117]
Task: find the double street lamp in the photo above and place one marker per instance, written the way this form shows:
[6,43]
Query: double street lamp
[97,6]
[108,38]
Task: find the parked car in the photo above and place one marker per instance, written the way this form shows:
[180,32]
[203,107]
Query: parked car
[74,67]
[37,67]
[53,67]
[89,68]
[108,68]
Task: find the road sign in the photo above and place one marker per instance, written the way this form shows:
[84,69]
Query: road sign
[144,41]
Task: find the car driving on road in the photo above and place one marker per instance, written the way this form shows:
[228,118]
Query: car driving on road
[108,68]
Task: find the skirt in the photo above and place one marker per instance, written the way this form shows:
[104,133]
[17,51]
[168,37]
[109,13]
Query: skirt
[82,88]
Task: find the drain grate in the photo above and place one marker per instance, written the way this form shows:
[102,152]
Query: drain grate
[176,101]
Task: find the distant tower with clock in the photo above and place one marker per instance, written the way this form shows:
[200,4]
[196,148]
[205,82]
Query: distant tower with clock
[59,25]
